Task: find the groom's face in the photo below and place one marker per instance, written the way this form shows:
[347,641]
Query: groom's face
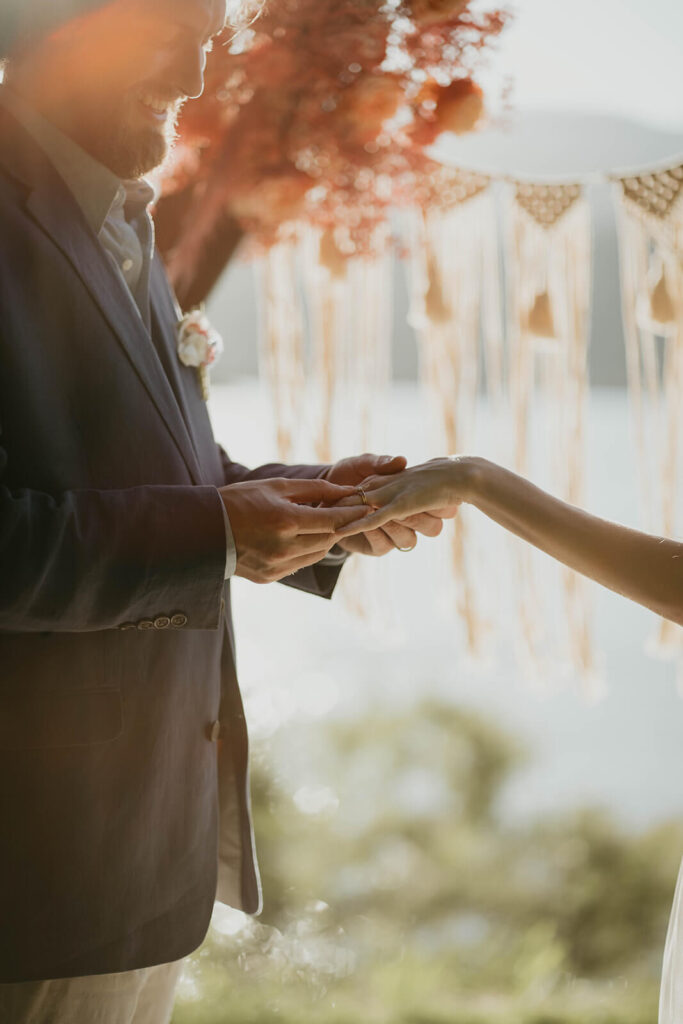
[116,78]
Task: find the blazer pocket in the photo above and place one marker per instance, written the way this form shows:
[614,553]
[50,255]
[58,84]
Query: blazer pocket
[60,718]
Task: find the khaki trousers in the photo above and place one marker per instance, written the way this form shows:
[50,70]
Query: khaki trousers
[144,996]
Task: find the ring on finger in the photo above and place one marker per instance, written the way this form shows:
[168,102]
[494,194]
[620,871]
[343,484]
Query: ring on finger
[404,549]
[363,495]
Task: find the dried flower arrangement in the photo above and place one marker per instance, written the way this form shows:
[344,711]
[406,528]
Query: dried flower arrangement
[322,111]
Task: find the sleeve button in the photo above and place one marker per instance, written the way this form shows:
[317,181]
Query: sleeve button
[178,620]
[145,624]
[128,625]
[162,622]
[214,731]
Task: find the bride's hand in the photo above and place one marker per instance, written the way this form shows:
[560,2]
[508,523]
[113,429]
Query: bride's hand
[436,486]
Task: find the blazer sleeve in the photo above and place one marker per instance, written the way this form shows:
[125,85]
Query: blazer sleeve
[319,580]
[90,559]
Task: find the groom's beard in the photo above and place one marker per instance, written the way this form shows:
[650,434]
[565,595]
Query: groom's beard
[126,138]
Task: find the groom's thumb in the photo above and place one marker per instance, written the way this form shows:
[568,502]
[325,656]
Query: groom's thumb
[391,463]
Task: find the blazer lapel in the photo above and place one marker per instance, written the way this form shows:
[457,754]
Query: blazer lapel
[164,311]
[53,207]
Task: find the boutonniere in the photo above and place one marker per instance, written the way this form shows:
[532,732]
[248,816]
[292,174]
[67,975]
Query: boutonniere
[199,345]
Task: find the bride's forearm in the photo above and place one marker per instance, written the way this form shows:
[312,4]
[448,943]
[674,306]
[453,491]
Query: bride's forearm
[642,567]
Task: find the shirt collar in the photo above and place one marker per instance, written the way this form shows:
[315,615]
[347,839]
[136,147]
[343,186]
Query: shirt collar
[96,189]
[138,194]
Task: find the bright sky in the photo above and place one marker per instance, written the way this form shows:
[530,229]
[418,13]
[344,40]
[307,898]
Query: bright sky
[609,56]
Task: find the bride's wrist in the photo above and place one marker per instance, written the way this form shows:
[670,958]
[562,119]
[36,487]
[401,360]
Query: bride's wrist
[467,472]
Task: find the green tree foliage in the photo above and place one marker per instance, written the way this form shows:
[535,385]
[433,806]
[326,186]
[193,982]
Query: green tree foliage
[396,891]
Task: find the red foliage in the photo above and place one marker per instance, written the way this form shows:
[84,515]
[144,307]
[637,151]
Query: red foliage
[322,111]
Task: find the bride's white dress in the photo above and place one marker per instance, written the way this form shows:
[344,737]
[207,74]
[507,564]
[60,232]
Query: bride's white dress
[671,997]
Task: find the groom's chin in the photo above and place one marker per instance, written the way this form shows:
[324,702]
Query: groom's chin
[131,150]
[140,156]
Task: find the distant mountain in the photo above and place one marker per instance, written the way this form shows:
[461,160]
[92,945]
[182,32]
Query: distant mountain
[561,143]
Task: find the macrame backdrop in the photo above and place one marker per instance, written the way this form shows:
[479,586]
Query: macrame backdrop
[349,303]
[548,267]
[326,342]
[283,342]
[456,311]
[650,214]
[326,354]
[455,307]
[326,348]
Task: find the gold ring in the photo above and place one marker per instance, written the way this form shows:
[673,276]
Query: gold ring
[363,495]
[404,549]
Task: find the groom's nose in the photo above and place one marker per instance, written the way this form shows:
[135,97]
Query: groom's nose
[188,70]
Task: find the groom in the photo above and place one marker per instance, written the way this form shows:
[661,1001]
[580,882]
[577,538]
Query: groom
[123,749]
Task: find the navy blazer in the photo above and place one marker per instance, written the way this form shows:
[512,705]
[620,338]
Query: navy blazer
[121,806]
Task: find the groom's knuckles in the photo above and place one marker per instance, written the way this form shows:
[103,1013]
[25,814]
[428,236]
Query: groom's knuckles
[302,491]
[292,520]
[321,521]
[331,491]
[341,517]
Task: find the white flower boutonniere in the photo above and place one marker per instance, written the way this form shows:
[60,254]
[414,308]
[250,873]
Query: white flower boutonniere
[199,345]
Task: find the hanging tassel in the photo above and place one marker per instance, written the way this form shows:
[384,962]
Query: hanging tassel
[548,265]
[447,312]
[656,311]
[282,343]
[348,303]
[539,321]
[437,310]
[650,217]
[661,303]
[330,255]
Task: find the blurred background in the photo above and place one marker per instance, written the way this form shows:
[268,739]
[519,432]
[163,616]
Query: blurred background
[443,840]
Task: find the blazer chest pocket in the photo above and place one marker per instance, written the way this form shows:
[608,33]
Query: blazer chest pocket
[66,718]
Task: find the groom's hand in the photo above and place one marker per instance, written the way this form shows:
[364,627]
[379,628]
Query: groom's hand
[279,527]
[352,472]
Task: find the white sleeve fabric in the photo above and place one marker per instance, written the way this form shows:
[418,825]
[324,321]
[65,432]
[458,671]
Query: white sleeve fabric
[335,556]
[230,549]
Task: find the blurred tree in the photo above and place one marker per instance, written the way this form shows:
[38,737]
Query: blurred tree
[395,892]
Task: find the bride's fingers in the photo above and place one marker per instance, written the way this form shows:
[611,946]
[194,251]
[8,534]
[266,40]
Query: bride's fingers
[376,494]
[373,521]
[347,502]
[376,482]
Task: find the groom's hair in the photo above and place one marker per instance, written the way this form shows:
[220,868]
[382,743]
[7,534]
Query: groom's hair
[24,21]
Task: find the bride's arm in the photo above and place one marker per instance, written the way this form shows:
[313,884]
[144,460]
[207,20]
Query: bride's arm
[642,567]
